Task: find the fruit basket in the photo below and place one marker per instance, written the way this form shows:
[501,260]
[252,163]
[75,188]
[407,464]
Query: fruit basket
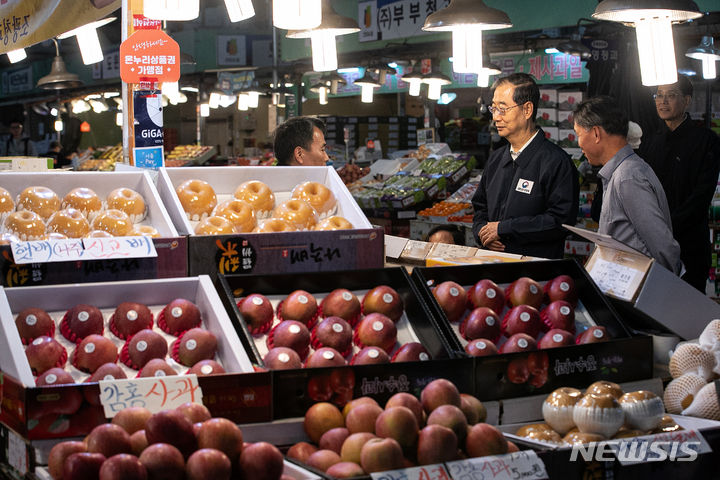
[189,154]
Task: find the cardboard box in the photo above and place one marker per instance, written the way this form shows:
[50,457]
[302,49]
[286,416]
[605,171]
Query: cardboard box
[565,119]
[658,296]
[547,117]
[548,98]
[33,411]
[569,100]
[171,248]
[297,252]
[292,397]
[567,138]
[621,359]
[552,134]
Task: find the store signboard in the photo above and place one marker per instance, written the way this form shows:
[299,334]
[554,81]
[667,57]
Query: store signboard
[389,19]
[27,22]
[231,82]
[149,56]
[17,81]
[108,68]
[231,50]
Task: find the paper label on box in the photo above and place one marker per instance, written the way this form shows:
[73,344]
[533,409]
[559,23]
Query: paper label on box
[426,472]
[684,445]
[444,250]
[17,452]
[523,464]
[154,393]
[72,249]
[614,279]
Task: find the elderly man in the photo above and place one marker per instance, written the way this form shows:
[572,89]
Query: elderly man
[686,159]
[300,141]
[528,188]
[634,209]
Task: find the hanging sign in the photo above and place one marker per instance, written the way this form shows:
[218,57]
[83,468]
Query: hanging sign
[149,56]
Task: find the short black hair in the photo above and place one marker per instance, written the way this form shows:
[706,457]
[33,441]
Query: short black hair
[602,111]
[684,85]
[526,89]
[295,132]
[457,234]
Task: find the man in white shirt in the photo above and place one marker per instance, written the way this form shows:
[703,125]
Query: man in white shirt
[530,187]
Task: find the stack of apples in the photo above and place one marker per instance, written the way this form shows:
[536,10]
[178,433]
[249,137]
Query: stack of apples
[339,329]
[487,314]
[442,425]
[181,444]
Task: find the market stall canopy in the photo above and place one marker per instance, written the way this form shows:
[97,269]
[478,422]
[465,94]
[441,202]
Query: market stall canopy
[28,22]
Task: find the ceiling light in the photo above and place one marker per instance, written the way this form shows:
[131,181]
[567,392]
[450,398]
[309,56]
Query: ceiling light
[466,19]
[708,54]
[58,125]
[333,79]
[98,106]
[190,89]
[367,84]
[111,94]
[297,14]
[322,90]
[214,101]
[243,102]
[435,81]
[58,78]
[446,98]
[119,119]
[54,112]
[88,40]
[652,20]
[204,110]
[551,50]
[239,10]
[575,47]
[415,80]
[322,37]
[80,106]
[17,55]
[176,10]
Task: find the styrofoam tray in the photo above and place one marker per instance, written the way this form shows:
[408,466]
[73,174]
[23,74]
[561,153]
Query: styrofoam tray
[281,180]
[56,299]
[100,182]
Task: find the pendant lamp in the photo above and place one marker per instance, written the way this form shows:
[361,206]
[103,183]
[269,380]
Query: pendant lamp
[17,55]
[174,10]
[653,21]
[368,84]
[239,10]
[88,40]
[708,54]
[435,81]
[58,78]
[415,81]
[296,14]
[466,19]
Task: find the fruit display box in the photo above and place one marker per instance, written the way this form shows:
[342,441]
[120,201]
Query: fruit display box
[647,294]
[510,375]
[568,100]
[260,253]
[67,410]
[294,390]
[171,248]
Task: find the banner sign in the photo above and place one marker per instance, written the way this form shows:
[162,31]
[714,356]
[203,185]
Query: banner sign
[389,19]
[27,22]
[149,56]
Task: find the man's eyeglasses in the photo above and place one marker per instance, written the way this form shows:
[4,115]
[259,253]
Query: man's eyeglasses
[659,97]
[501,110]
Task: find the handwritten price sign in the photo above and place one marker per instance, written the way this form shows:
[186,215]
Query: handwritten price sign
[524,464]
[427,472]
[73,249]
[154,393]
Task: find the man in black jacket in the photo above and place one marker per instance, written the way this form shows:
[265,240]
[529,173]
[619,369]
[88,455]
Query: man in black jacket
[686,159]
[529,188]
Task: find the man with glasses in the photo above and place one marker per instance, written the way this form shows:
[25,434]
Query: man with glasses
[529,188]
[16,145]
[634,209]
[686,159]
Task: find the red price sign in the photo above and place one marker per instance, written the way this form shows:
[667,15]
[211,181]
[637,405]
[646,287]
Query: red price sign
[149,56]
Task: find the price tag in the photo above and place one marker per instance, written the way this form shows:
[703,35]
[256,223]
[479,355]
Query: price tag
[154,393]
[427,472]
[523,464]
[614,279]
[660,447]
[72,249]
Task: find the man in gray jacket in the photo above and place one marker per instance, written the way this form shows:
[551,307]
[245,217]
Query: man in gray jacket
[634,210]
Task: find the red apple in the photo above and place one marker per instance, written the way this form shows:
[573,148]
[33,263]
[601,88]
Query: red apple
[300,306]
[173,427]
[452,299]
[486,293]
[481,347]
[436,444]
[411,352]
[593,334]
[376,330]
[58,454]
[341,303]
[482,322]
[522,319]
[44,353]
[261,461]
[385,300]
[256,310]
[559,314]
[439,392]
[380,454]
[123,467]
[561,287]
[370,356]
[524,291]
[108,439]
[325,357]
[83,466]
[163,462]
[484,439]
[208,463]
[520,342]
[221,434]
[301,451]
[556,338]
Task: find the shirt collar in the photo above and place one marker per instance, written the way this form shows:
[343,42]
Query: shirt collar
[607,170]
[515,155]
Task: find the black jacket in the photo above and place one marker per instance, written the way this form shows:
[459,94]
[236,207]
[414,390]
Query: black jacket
[687,161]
[531,198]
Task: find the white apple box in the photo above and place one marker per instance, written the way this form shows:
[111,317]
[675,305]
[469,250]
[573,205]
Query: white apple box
[57,299]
